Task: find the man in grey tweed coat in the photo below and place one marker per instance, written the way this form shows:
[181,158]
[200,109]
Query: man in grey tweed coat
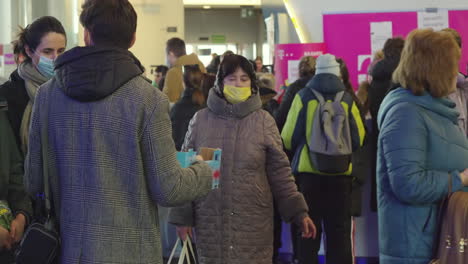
[110,152]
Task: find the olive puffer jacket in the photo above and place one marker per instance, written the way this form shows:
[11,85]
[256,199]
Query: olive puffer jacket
[234,224]
[11,169]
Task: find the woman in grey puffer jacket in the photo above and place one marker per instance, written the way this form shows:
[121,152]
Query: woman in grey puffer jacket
[234,224]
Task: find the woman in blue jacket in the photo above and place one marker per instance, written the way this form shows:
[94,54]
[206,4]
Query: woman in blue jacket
[419,148]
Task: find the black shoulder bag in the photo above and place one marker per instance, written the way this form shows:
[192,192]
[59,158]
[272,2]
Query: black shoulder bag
[41,241]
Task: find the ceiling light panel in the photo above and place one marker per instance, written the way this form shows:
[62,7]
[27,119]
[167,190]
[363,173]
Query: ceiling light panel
[223,2]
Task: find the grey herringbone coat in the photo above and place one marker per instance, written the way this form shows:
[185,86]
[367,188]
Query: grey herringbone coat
[111,158]
[234,224]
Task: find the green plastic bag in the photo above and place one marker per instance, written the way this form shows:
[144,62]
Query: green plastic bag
[5,215]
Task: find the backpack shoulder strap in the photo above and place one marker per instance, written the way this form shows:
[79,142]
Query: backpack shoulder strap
[339,96]
[348,99]
[319,96]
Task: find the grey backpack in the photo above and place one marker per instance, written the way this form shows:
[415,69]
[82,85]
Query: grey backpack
[330,144]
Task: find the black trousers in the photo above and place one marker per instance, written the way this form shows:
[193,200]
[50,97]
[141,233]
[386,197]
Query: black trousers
[329,201]
[6,257]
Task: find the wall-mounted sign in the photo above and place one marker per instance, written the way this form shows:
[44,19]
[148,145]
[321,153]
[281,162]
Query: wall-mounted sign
[247,12]
[218,39]
[287,57]
[172,29]
[437,19]
[9,59]
[204,52]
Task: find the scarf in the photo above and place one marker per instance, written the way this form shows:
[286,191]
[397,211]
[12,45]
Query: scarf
[32,80]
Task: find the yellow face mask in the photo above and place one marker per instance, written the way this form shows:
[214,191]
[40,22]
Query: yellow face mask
[236,95]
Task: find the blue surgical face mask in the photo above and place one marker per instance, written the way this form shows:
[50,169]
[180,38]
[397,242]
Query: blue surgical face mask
[46,67]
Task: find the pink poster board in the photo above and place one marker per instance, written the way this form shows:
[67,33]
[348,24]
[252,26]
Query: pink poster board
[353,43]
[292,52]
[459,20]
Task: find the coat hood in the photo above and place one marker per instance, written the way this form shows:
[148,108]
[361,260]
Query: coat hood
[190,59]
[93,73]
[326,83]
[222,108]
[442,106]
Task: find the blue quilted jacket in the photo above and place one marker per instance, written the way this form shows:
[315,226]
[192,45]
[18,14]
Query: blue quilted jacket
[419,148]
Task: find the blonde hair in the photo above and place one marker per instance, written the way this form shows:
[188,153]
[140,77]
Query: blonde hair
[429,62]
[455,34]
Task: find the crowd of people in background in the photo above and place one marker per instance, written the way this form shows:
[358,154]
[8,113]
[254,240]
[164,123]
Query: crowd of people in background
[105,137]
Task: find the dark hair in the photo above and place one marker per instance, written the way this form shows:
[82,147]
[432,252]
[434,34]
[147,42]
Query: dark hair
[193,78]
[455,34]
[176,46]
[17,47]
[18,50]
[207,83]
[345,77]
[393,47]
[162,69]
[307,66]
[226,53]
[110,22]
[214,64]
[31,36]
[161,83]
[229,65]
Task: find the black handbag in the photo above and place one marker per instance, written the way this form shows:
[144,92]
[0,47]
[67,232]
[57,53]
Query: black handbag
[40,245]
[41,241]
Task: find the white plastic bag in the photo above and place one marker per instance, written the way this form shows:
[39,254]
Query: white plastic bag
[187,250]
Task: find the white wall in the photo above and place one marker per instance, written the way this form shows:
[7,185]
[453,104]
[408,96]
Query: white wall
[5,16]
[66,12]
[310,12]
[154,16]
[13,13]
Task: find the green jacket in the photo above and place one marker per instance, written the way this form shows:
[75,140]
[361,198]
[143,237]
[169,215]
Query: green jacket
[298,125]
[11,169]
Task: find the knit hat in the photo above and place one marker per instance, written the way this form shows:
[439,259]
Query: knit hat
[327,64]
